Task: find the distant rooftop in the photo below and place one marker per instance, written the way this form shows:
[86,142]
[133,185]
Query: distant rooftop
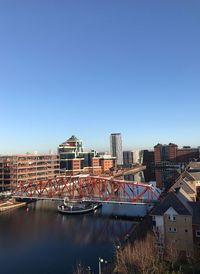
[160,145]
[73,139]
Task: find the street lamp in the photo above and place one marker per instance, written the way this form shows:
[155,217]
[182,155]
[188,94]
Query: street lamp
[101,261]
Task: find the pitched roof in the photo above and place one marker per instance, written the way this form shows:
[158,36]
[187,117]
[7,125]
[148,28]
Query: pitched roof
[72,139]
[186,185]
[195,175]
[193,166]
[171,200]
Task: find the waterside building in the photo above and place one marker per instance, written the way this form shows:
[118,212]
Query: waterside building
[22,168]
[176,219]
[171,154]
[74,159]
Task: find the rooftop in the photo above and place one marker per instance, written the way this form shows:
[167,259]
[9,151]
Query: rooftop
[193,166]
[185,184]
[195,175]
[73,139]
[171,200]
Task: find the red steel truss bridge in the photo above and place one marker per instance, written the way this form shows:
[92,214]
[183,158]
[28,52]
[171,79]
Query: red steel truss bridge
[88,188]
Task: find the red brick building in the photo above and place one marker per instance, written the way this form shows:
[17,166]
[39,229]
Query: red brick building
[171,153]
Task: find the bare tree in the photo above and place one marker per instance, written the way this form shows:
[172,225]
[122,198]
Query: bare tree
[171,253]
[140,257]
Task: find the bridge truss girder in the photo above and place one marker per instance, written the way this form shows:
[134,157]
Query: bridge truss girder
[89,188]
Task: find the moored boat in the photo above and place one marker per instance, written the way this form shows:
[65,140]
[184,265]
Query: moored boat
[78,208]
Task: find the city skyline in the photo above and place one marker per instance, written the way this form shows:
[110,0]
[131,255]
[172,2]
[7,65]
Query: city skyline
[90,68]
[88,147]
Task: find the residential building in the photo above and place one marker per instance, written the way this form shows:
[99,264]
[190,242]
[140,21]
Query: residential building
[187,182]
[186,154]
[116,147]
[196,227]
[176,218]
[166,154]
[173,223]
[22,168]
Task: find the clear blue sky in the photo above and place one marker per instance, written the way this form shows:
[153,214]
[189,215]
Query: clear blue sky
[92,67]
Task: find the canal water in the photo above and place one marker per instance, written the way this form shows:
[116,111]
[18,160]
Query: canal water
[40,240]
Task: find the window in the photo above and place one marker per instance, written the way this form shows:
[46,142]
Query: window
[172,218]
[197,233]
[172,229]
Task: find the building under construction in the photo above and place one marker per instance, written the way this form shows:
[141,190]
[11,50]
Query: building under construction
[27,167]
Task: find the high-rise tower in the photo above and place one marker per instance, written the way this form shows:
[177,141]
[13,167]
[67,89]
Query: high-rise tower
[116,147]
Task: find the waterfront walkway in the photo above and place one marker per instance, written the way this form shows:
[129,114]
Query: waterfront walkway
[8,205]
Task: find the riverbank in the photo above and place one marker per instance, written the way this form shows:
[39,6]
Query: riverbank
[139,233]
[10,204]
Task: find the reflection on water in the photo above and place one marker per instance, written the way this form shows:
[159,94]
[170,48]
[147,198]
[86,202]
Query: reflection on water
[164,178]
[44,241]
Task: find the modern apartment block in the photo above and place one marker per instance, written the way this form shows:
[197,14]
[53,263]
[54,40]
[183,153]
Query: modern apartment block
[116,147]
[171,153]
[21,168]
[74,159]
